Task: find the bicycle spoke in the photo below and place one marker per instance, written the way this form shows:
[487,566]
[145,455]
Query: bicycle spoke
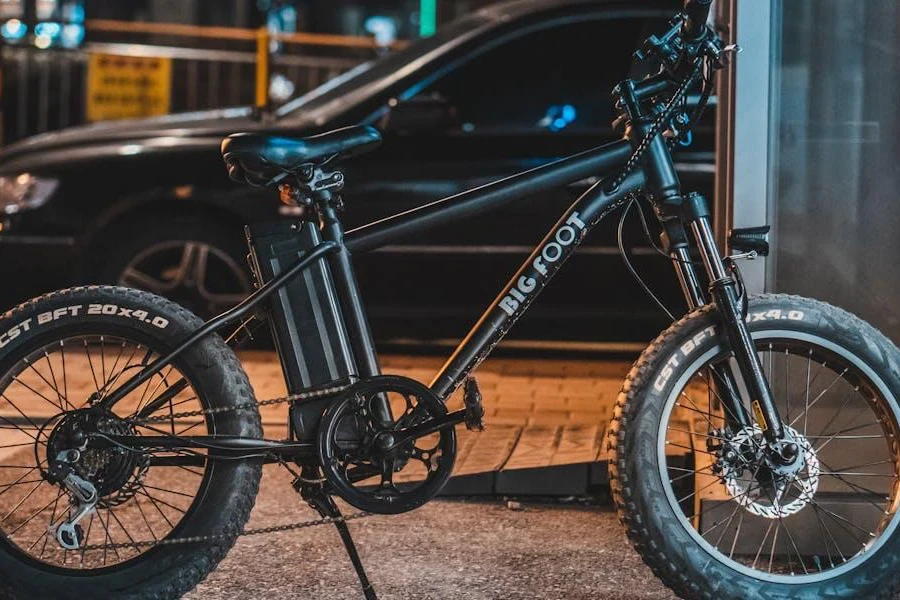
[761,544]
[144,492]
[144,517]
[819,397]
[87,353]
[806,405]
[21,502]
[121,526]
[159,489]
[35,392]
[46,534]
[87,537]
[28,520]
[737,532]
[47,381]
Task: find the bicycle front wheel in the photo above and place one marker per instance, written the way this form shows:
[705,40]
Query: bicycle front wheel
[705,507]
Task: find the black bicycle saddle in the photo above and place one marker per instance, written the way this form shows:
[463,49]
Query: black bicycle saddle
[262,159]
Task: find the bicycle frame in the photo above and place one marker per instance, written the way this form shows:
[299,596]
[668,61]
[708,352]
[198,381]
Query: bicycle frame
[590,207]
[656,175]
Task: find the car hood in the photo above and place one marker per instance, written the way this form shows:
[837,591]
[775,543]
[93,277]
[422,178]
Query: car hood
[191,130]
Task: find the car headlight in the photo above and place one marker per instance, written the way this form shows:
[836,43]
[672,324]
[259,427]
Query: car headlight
[24,192]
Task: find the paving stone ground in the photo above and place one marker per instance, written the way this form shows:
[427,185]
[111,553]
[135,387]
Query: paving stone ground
[538,412]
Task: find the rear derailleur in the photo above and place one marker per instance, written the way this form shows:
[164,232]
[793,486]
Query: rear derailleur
[84,497]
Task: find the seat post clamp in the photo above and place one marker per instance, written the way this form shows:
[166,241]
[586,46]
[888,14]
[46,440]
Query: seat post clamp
[321,181]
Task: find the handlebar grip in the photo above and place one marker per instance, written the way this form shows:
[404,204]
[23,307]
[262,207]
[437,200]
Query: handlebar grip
[697,12]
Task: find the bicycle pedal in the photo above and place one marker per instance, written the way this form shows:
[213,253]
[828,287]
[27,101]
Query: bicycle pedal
[474,407]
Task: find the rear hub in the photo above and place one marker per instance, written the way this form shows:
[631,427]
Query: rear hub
[115,471]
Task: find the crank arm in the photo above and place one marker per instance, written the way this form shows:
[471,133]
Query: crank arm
[428,427]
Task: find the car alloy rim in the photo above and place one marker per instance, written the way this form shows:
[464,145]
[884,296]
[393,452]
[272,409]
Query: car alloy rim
[204,278]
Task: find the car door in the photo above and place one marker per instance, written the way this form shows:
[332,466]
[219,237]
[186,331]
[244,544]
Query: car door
[541,93]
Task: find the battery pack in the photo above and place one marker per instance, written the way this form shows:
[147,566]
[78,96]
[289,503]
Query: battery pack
[305,315]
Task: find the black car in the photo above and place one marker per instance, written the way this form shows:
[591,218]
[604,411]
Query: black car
[147,203]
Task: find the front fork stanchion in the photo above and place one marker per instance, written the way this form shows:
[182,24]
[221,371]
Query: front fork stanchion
[720,377]
[723,289]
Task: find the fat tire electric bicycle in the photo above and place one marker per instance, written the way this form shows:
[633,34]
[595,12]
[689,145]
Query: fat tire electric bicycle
[754,444]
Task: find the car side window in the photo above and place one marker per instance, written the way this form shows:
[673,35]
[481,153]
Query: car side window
[553,79]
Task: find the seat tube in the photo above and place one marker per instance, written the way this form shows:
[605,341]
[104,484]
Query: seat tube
[361,341]
[345,282]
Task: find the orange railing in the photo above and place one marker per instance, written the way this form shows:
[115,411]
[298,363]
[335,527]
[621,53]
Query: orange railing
[261,36]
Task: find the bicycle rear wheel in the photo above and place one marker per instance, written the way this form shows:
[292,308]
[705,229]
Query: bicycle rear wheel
[69,349]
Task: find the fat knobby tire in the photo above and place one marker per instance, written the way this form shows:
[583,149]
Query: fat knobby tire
[656,531]
[214,371]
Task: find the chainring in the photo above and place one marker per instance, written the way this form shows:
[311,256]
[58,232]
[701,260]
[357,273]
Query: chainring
[364,456]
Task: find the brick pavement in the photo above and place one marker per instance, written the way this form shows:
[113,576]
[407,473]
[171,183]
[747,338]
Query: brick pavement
[538,412]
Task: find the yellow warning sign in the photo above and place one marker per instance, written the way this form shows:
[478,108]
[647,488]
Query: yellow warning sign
[121,87]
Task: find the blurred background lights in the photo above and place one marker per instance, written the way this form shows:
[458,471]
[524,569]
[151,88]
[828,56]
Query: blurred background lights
[383,28]
[558,117]
[13,30]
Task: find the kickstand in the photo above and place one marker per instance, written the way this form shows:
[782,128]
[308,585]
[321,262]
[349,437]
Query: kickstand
[315,495]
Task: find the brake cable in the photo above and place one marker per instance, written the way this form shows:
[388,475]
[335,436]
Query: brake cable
[662,118]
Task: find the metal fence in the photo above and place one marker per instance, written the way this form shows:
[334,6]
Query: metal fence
[46,89]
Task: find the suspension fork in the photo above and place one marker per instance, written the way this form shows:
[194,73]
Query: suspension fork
[720,377]
[723,290]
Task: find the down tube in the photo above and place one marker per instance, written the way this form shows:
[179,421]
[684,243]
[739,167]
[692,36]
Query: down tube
[556,247]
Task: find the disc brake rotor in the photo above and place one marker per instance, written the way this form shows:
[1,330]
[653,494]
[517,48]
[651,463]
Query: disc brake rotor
[759,488]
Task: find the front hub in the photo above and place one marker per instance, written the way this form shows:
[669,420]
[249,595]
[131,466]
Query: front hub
[757,478]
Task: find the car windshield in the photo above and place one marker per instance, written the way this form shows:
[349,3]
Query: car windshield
[374,70]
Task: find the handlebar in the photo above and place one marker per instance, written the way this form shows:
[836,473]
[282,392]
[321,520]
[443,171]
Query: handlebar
[697,12]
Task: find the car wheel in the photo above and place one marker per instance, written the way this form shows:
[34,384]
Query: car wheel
[198,264]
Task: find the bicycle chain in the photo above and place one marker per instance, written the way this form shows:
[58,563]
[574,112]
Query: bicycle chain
[260,530]
[243,406]
[197,539]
